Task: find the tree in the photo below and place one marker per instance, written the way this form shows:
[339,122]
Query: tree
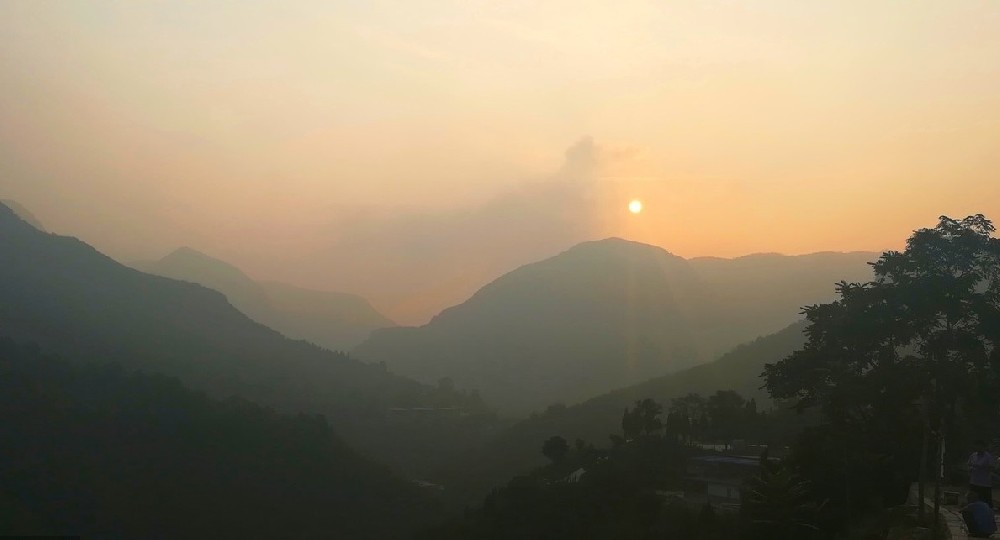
[685,417]
[777,505]
[631,425]
[649,413]
[643,419]
[904,354]
[678,425]
[727,414]
[555,448]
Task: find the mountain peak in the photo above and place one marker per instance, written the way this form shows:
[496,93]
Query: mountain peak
[604,314]
[614,251]
[333,320]
[601,314]
[618,243]
[190,259]
[186,252]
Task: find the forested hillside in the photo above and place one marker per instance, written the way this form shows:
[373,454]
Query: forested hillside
[97,451]
[874,394]
[515,450]
[606,314]
[70,299]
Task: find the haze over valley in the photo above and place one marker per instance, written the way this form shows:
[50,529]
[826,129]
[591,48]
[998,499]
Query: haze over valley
[606,314]
[499,270]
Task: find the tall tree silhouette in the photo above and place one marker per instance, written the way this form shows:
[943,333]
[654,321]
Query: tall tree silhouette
[643,419]
[902,354]
[555,448]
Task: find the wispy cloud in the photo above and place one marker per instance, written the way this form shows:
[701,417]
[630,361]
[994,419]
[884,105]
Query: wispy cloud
[411,263]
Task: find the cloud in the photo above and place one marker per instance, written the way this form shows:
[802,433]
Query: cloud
[413,263]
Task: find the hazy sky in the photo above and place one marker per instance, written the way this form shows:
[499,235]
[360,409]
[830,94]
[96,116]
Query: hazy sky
[411,150]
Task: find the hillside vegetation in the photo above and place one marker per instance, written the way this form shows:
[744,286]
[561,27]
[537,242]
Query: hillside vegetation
[515,450]
[97,451]
[604,315]
[73,301]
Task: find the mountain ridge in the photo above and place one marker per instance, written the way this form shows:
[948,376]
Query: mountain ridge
[606,313]
[337,321]
[73,301]
[23,213]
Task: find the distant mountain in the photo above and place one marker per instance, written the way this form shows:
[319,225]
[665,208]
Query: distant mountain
[73,301]
[600,315]
[97,452]
[337,321]
[517,449]
[23,213]
[606,314]
[765,292]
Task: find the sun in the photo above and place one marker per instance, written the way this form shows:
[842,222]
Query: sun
[635,206]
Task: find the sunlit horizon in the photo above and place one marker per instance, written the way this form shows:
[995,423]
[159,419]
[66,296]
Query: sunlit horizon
[410,152]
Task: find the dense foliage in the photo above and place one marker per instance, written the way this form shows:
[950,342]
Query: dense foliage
[900,367]
[590,493]
[514,450]
[97,451]
[639,486]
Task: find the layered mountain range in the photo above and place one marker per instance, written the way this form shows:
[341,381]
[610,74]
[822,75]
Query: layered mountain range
[337,321]
[614,319]
[606,314]
[72,301]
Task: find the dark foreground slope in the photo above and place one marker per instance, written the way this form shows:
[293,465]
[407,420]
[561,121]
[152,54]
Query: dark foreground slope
[96,451]
[71,300]
[337,321]
[517,449]
[604,315]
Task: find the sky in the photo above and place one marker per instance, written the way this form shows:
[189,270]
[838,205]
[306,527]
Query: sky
[412,151]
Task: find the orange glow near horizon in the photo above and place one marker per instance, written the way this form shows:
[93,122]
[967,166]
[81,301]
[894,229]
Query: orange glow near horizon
[410,151]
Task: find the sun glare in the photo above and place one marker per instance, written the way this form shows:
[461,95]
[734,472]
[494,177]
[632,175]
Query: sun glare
[635,206]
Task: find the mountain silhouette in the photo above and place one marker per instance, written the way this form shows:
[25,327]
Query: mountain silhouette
[609,312]
[603,315]
[337,321]
[23,213]
[73,301]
